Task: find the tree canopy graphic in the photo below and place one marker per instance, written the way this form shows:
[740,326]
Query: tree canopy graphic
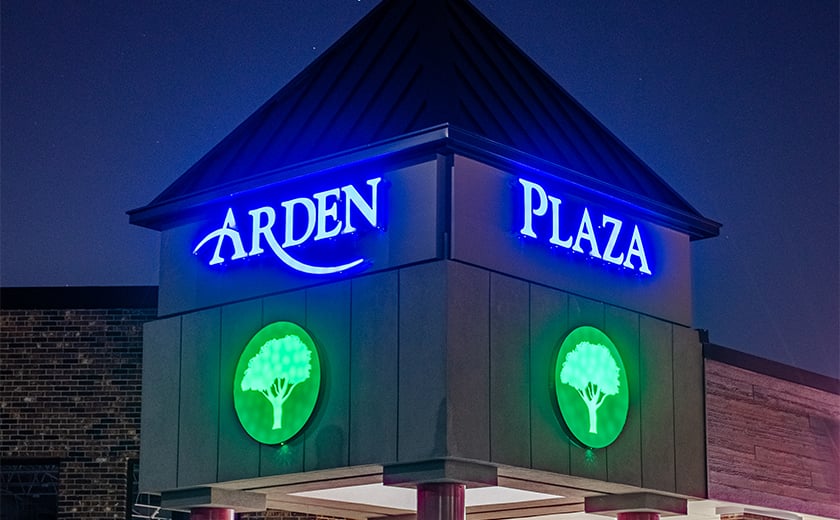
[591,370]
[279,366]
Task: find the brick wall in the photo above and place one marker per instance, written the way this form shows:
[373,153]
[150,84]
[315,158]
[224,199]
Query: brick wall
[772,442]
[70,391]
[70,376]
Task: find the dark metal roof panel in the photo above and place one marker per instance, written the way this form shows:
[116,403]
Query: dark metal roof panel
[412,65]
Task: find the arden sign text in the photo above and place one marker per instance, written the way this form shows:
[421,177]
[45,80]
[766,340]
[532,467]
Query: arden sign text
[330,214]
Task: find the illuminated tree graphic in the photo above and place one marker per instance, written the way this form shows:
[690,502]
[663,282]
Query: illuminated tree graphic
[279,366]
[591,370]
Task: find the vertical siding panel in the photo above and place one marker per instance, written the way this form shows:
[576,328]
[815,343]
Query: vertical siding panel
[328,320]
[549,322]
[159,414]
[624,460]
[468,363]
[239,454]
[373,369]
[510,420]
[657,400]
[278,460]
[689,410]
[584,462]
[422,362]
[198,431]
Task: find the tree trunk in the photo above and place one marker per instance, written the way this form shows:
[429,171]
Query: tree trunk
[278,416]
[593,419]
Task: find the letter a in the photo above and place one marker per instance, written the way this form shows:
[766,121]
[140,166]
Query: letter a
[228,230]
[637,249]
[587,232]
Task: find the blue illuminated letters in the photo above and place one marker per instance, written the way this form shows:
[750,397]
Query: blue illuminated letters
[581,230]
[324,215]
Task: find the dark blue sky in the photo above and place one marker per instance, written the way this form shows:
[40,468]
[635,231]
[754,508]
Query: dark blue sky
[735,104]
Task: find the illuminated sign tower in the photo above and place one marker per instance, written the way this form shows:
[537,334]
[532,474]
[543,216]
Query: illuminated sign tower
[378,274]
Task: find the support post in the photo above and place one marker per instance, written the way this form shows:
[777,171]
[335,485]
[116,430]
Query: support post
[636,506]
[440,501]
[211,513]
[638,515]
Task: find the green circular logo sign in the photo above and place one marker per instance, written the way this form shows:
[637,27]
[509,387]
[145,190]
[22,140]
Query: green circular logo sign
[276,384]
[591,387]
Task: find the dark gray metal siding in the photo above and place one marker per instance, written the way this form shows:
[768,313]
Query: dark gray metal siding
[440,359]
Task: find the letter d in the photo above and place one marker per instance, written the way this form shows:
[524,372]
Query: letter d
[289,206]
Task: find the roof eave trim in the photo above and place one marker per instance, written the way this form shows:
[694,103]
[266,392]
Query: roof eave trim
[693,224]
[157,216]
[442,137]
[769,367]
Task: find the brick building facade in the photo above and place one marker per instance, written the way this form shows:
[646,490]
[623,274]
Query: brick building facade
[772,434]
[70,391]
[70,366]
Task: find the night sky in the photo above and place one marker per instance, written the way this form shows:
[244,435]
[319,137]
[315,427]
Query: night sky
[735,104]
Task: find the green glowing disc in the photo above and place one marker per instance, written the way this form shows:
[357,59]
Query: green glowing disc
[276,383]
[591,387]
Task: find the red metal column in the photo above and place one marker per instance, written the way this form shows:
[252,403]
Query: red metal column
[638,515]
[211,513]
[636,506]
[440,502]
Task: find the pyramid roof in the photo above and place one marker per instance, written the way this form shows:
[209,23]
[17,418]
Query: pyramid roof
[427,67]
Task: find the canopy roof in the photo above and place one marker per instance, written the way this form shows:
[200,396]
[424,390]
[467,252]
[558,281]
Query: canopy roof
[411,66]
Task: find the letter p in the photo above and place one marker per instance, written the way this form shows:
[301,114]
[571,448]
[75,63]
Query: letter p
[528,209]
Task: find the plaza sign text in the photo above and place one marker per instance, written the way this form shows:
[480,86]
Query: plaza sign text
[580,230]
[299,222]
